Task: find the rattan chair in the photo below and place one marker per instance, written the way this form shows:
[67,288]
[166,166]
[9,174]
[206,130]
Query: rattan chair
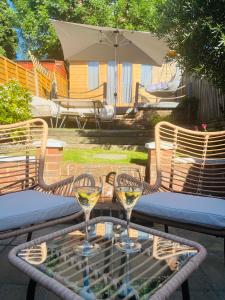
[189,191]
[27,203]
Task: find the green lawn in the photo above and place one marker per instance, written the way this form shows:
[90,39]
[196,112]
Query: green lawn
[98,155]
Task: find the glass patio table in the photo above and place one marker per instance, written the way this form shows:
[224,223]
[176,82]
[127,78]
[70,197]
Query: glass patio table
[163,264]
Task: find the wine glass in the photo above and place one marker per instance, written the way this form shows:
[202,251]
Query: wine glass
[87,192]
[128,193]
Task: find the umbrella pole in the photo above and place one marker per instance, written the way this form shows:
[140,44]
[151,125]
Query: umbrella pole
[116,70]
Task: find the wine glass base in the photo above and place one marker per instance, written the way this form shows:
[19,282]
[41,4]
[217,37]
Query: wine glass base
[128,247]
[87,250]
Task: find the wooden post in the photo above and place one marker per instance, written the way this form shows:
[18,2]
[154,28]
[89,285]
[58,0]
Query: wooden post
[17,73]
[6,70]
[26,79]
[105,90]
[136,96]
[36,82]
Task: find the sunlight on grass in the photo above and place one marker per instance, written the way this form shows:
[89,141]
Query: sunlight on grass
[99,156]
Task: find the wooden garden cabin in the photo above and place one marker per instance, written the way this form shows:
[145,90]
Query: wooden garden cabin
[96,80]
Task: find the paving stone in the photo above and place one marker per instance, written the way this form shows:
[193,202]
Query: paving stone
[110,156]
[10,274]
[12,292]
[43,294]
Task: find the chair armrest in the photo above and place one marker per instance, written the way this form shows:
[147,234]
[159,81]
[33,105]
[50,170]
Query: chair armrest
[65,187]
[124,178]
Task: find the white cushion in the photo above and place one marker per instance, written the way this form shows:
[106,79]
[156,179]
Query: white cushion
[31,207]
[205,211]
[157,86]
[107,112]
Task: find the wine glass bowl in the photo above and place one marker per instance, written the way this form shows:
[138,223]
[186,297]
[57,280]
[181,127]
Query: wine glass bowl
[128,194]
[87,196]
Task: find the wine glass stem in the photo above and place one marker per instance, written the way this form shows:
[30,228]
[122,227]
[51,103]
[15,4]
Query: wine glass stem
[128,222]
[87,218]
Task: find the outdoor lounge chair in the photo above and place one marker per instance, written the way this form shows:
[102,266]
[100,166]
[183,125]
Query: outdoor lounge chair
[189,191]
[26,202]
[162,95]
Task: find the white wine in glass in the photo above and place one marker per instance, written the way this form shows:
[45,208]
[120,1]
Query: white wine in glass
[128,197]
[87,197]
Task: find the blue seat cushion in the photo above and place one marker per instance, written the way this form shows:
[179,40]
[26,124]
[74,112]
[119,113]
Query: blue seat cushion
[30,207]
[198,210]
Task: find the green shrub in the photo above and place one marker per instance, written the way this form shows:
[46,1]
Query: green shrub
[155,118]
[14,103]
[187,111]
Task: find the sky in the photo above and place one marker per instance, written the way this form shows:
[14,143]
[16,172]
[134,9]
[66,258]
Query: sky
[20,53]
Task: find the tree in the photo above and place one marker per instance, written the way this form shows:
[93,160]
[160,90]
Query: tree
[136,15]
[34,19]
[195,29]
[8,40]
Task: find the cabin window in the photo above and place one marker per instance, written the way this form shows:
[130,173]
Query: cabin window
[127,82]
[93,75]
[111,82]
[146,75]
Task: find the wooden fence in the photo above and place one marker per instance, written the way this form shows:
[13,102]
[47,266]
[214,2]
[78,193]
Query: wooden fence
[35,81]
[211,100]
[62,86]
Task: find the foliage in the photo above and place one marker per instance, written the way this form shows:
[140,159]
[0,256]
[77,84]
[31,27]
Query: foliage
[195,29]
[14,103]
[155,118]
[8,40]
[136,15]
[33,17]
[187,111]
[96,155]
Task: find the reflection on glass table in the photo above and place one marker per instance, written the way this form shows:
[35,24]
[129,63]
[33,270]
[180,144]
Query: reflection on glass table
[111,274]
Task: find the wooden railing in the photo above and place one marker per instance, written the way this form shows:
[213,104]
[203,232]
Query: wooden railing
[35,81]
[97,94]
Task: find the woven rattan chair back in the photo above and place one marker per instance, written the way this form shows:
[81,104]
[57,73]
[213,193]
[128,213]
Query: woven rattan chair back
[190,161]
[22,151]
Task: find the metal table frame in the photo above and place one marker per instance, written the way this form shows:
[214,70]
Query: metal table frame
[167,289]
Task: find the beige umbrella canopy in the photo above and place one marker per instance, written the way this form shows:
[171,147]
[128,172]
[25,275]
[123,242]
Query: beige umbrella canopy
[93,43]
[86,42]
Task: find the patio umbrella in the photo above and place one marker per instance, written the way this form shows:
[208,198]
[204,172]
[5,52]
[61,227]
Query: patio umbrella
[93,43]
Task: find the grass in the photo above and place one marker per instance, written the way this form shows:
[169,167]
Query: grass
[85,156]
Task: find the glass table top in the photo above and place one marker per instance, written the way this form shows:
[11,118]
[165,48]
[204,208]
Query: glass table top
[110,274]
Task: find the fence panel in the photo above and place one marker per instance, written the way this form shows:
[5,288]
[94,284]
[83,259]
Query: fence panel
[44,85]
[62,86]
[211,100]
[10,70]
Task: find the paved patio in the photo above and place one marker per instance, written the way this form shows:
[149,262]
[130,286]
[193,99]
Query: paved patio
[205,284]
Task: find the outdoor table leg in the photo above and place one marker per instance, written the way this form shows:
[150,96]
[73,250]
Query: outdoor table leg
[185,290]
[31,290]
[63,120]
[84,124]
[78,122]
[224,250]
[51,122]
